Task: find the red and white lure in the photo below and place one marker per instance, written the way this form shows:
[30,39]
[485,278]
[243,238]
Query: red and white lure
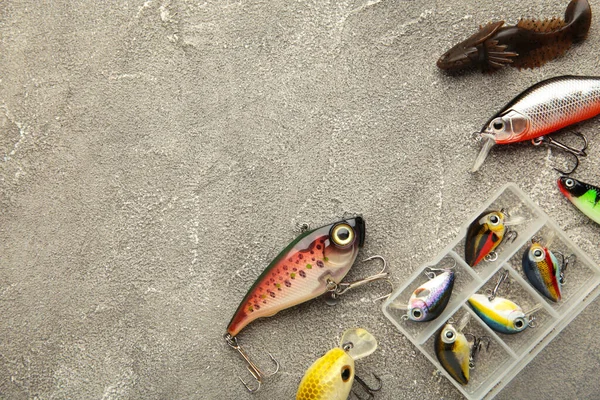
[544,108]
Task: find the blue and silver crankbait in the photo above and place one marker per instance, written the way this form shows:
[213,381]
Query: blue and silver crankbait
[500,314]
[430,299]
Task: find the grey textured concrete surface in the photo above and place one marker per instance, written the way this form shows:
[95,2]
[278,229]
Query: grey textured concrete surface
[156,155]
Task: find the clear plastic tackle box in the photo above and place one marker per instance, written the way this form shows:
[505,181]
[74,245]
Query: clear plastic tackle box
[507,354]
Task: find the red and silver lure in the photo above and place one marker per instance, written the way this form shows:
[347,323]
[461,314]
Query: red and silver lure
[542,109]
[313,264]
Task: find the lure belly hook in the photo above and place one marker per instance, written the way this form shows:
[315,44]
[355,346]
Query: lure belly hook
[313,264]
[542,109]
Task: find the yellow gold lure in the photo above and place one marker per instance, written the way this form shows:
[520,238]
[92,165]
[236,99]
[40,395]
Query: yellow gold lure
[331,376]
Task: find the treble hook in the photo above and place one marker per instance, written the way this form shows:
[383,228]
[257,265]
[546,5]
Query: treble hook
[258,375]
[494,292]
[476,347]
[564,265]
[337,289]
[571,150]
[367,388]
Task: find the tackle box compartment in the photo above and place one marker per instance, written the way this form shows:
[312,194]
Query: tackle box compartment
[508,354]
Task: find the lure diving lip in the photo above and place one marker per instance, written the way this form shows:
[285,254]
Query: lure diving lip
[331,376]
[305,269]
[484,235]
[430,299]
[583,196]
[500,314]
[543,271]
[542,109]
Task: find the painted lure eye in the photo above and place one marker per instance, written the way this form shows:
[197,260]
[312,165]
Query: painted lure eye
[538,254]
[449,335]
[570,182]
[498,125]
[346,372]
[494,219]
[417,313]
[519,323]
[342,235]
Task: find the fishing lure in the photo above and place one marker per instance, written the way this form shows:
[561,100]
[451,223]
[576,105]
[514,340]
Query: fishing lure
[331,376]
[583,195]
[454,352]
[529,44]
[485,234]
[430,299]
[544,108]
[313,264]
[543,271]
[500,314]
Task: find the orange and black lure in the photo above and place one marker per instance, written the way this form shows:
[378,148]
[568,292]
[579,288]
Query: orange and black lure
[484,235]
[529,44]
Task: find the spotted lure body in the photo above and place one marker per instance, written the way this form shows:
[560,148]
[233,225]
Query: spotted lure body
[453,351]
[502,315]
[331,376]
[484,235]
[544,108]
[543,271]
[583,196]
[302,271]
[429,300]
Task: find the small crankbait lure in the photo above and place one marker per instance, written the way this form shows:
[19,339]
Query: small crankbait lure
[313,264]
[543,271]
[331,376]
[430,299]
[544,108]
[583,196]
[455,352]
[485,234]
[530,43]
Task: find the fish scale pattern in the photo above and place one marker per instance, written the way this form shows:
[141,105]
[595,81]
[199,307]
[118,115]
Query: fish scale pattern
[560,103]
[323,380]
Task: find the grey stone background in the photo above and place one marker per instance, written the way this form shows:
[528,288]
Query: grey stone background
[156,155]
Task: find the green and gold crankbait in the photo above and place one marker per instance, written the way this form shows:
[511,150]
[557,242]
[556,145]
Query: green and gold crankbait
[455,352]
[583,196]
[331,376]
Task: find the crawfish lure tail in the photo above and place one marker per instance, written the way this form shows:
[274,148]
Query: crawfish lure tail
[331,376]
[583,196]
[302,271]
[529,44]
[454,352]
[484,235]
[543,271]
[502,315]
[429,300]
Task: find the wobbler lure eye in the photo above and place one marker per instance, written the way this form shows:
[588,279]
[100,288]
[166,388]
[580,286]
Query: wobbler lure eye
[519,323]
[498,125]
[449,335]
[569,183]
[494,219]
[417,313]
[346,373]
[342,235]
[538,254]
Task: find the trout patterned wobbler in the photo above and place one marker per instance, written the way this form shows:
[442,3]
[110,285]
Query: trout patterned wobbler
[544,108]
[429,300]
[502,315]
[583,196]
[331,376]
[305,269]
[543,271]
[484,235]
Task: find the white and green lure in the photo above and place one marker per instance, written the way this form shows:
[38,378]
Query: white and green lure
[583,196]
